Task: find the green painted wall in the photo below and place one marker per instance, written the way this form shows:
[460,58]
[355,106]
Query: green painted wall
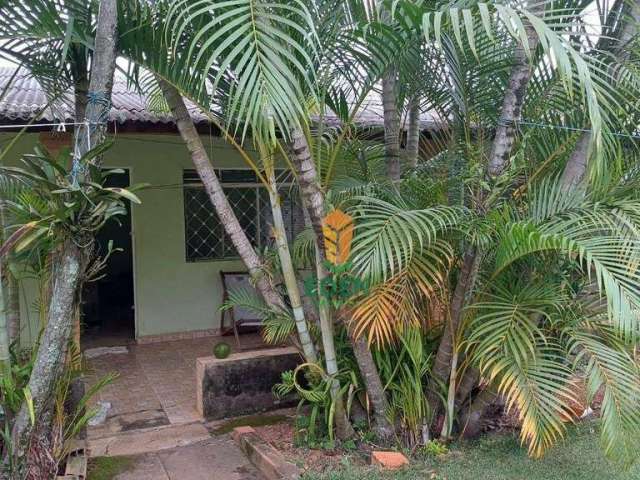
[171,295]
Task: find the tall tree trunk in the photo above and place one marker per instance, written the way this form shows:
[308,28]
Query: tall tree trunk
[289,273]
[216,194]
[375,390]
[442,365]
[313,203]
[344,429]
[514,96]
[391,124]
[503,141]
[575,169]
[50,360]
[71,260]
[413,132]
[310,189]
[471,419]
[12,305]
[81,89]
[11,294]
[5,356]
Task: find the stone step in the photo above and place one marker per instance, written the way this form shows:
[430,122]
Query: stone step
[147,440]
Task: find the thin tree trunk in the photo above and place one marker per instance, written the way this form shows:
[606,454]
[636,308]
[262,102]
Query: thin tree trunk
[503,141]
[72,261]
[77,388]
[471,419]
[575,169]
[5,356]
[514,96]
[344,429]
[449,411]
[413,132]
[313,204]
[310,190]
[217,196]
[11,294]
[289,273]
[375,390]
[442,364]
[12,306]
[391,124]
[81,89]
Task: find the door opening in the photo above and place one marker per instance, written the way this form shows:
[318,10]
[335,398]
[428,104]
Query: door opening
[108,314]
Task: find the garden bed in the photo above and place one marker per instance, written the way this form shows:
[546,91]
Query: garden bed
[318,460]
[496,456]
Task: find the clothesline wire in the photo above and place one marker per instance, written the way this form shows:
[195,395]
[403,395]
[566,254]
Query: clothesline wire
[521,122]
[575,129]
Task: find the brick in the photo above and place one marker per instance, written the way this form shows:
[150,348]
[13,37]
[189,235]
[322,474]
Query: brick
[238,432]
[389,460]
[264,456]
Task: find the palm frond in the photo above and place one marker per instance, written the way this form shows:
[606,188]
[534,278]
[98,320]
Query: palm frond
[609,366]
[400,301]
[268,47]
[387,236]
[540,392]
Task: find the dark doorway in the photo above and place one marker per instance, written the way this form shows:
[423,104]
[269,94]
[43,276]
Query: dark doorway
[108,305]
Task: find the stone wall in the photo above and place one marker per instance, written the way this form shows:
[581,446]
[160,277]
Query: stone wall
[241,383]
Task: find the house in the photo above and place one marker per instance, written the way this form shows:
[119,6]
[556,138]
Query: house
[165,284]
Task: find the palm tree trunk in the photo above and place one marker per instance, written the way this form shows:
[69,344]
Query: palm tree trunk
[310,190]
[442,365]
[313,203]
[72,261]
[503,141]
[288,272]
[391,124]
[514,96]
[471,419]
[466,385]
[12,306]
[344,429]
[575,169]
[53,348]
[375,390]
[413,132]
[10,292]
[5,356]
[217,196]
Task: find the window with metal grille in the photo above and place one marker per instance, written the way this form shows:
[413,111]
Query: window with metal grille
[205,237]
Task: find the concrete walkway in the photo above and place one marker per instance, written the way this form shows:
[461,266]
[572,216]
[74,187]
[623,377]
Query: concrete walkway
[156,383]
[217,458]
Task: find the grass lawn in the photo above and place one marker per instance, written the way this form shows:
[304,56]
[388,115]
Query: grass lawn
[499,457]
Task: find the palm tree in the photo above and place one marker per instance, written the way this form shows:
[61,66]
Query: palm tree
[265,95]
[505,270]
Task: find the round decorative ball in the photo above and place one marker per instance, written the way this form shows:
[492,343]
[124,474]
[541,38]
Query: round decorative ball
[221,350]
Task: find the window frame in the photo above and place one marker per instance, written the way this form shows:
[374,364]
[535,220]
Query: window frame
[194,182]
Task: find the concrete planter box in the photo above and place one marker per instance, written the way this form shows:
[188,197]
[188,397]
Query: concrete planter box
[241,383]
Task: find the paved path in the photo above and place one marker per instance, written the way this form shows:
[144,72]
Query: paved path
[156,383]
[215,459]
